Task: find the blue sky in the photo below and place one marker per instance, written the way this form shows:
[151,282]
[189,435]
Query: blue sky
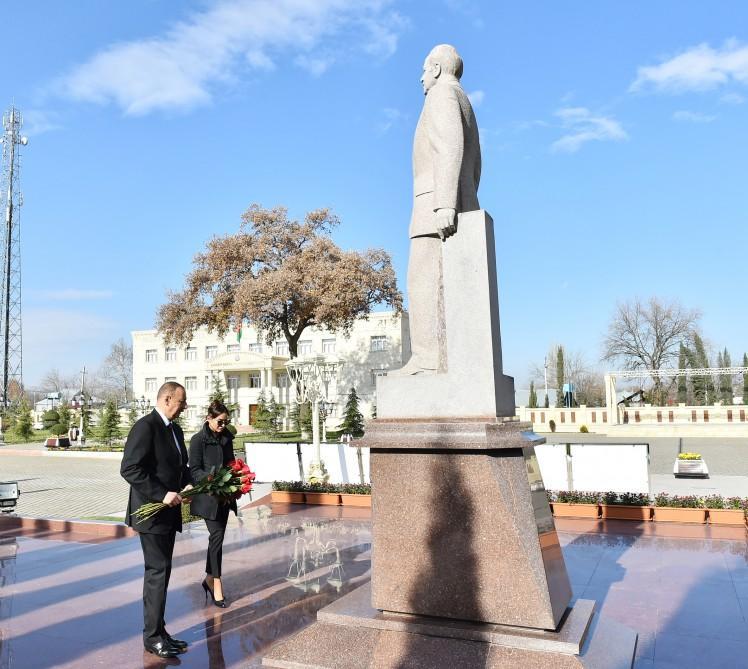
[614,143]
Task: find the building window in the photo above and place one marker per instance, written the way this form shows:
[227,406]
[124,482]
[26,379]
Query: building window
[150,385]
[169,378]
[170,354]
[375,373]
[379,343]
[232,383]
[232,348]
[281,348]
[151,355]
[283,381]
[305,347]
[255,347]
[190,383]
[211,352]
[255,380]
[190,354]
[207,383]
[328,346]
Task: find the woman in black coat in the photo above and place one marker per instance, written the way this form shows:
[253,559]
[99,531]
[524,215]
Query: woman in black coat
[211,449]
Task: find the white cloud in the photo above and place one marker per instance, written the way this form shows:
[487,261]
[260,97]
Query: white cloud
[181,68]
[699,68]
[584,127]
[732,99]
[73,294]
[392,116]
[693,117]
[38,121]
[476,98]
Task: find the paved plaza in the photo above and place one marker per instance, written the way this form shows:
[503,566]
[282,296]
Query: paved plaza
[74,485]
[67,601]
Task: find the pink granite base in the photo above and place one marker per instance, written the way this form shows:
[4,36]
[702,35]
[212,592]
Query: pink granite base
[608,645]
[462,526]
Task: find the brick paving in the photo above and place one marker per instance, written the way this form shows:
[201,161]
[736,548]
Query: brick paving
[70,485]
[62,486]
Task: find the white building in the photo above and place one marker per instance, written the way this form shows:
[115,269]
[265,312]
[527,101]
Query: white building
[250,366]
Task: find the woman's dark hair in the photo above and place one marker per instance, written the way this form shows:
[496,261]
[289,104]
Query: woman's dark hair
[216,408]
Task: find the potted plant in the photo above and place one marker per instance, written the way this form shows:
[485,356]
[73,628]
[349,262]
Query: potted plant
[59,441]
[287,492]
[575,504]
[679,509]
[355,494]
[625,506]
[730,511]
[690,465]
[322,493]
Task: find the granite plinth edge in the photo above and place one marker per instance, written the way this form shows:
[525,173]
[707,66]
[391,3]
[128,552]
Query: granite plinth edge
[355,609]
[452,434]
[609,645]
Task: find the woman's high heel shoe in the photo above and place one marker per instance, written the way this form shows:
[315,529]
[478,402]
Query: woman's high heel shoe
[220,603]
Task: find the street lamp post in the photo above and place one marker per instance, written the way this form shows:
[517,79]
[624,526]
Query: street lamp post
[143,404]
[311,377]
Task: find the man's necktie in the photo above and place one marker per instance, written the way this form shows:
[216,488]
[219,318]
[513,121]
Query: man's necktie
[170,427]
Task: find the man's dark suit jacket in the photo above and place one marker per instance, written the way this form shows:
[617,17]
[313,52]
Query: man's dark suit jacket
[151,465]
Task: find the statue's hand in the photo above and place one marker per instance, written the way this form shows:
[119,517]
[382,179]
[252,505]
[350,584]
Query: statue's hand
[446,222]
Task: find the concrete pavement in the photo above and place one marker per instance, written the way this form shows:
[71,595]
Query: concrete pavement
[71,485]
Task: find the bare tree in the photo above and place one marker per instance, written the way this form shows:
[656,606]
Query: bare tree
[281,275]
[54,381]
[115,374]
[648,335]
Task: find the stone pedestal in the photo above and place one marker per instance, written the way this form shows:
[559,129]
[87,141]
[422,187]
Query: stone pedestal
[467,570]
[472,383]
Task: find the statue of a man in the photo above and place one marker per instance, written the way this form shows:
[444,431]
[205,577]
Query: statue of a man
[446,173]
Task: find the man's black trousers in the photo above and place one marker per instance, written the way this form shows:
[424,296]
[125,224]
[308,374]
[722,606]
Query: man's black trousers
[157,552]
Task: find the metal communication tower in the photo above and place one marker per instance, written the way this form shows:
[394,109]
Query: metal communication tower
[11,373]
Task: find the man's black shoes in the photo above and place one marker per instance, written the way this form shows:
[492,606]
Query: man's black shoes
[162,649]
[180,645]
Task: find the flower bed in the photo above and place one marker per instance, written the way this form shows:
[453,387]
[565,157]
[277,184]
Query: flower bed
[299,492]
[664,508]
[625,506]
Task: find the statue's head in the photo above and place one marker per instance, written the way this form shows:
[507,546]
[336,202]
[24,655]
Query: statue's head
[443,60]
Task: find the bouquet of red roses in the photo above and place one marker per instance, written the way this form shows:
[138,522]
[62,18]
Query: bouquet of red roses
[229,482]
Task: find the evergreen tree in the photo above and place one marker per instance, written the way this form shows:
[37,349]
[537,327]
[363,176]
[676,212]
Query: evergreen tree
[64,414]
[725,380]
[109,425]
[86,412]
[23,422]
[132,416]
[263,419]
[560,376]
[353,420]
[50,418]
[305,418]
[546,402]
[276,414]
[532,402]
[294,417]
[698,388]
[217,394]
[682,380]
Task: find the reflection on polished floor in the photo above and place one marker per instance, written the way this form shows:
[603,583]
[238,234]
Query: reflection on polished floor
[66,601]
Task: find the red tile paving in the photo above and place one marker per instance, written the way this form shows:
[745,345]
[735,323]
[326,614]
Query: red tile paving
[69,599]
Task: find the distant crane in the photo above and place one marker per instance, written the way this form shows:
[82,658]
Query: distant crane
[11,348]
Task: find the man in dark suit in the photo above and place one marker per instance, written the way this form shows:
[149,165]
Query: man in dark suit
[155,465]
